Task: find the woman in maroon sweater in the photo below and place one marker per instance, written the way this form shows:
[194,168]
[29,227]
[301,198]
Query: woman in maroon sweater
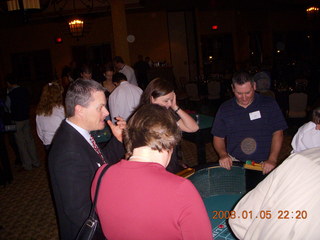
[138,198]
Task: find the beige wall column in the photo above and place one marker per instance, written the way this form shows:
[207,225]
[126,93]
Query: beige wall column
[119,24]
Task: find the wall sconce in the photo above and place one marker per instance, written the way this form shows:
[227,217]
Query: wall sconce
[76,27]
[14,5]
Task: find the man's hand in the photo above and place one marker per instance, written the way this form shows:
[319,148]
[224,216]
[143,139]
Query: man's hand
[276,143]
[226,162]
[121,122]
[268,166]
[118,127]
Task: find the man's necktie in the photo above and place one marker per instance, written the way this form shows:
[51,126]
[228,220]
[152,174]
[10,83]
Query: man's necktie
[96,148]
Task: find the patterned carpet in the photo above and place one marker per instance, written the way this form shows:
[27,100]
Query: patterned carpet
[26,208]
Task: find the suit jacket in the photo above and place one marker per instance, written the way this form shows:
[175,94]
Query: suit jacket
[72,165]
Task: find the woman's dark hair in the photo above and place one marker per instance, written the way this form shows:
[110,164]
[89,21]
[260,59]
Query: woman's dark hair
[156,88]
[85,68]
[107,67]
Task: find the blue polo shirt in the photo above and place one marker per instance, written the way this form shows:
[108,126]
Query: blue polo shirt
[248,131]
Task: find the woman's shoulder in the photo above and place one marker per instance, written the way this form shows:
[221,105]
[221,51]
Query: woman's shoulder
[58,110]
[178,181]
[307,126]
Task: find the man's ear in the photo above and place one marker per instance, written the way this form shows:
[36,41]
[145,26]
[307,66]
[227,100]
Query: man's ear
[254,85]
[232,87]
[78,110]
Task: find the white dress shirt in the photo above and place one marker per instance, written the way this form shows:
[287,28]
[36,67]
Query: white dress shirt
[129,72]
[48,125]
[306,137]
[123,100]
[286,204]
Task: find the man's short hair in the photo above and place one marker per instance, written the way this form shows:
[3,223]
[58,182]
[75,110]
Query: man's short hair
[154,126]
[118,59]
[241,78]
[79,93]
[316,115]
[118,77]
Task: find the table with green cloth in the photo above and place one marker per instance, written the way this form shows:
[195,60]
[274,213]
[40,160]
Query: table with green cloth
[220,190]
[102,136]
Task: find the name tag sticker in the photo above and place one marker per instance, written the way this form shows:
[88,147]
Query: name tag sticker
[255,115]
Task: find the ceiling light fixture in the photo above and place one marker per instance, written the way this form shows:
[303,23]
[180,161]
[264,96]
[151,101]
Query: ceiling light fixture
[312,12]
[76,27]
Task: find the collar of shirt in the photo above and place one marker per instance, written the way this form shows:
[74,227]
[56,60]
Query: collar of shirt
[122,67]
[82,131]
[124,83]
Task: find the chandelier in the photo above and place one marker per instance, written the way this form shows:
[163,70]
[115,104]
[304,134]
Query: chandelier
[78,10]
[312,12]
[76,27]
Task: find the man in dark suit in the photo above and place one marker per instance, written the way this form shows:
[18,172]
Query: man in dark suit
[73,160]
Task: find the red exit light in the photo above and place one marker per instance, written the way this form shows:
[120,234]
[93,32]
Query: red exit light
[214,27]
[58,40]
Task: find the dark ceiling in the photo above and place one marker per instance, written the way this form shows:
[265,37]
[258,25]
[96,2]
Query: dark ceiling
[174,5]
[53,10]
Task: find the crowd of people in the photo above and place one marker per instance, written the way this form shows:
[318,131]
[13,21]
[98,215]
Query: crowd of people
[74,156]
[140,195]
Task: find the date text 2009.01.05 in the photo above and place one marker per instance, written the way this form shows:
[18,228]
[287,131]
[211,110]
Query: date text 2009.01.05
[262,214]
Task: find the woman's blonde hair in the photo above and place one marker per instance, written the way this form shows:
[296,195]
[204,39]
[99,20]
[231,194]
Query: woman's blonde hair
[153,126]
[51,97]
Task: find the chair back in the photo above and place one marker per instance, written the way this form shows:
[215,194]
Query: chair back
[192,91]
[214,88]
[298,105]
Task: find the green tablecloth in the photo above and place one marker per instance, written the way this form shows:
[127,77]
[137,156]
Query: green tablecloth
[102,136]
[220,190]
[224,203]
[204,121]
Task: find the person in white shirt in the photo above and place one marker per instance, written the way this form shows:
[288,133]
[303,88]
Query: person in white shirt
[308,135]
[125,69]
[124,98]
[49,113]
[285,205]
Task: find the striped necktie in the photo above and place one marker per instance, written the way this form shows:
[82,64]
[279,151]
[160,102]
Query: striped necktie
[96,148]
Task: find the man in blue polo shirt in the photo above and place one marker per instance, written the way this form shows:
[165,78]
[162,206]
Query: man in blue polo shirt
[248,127]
